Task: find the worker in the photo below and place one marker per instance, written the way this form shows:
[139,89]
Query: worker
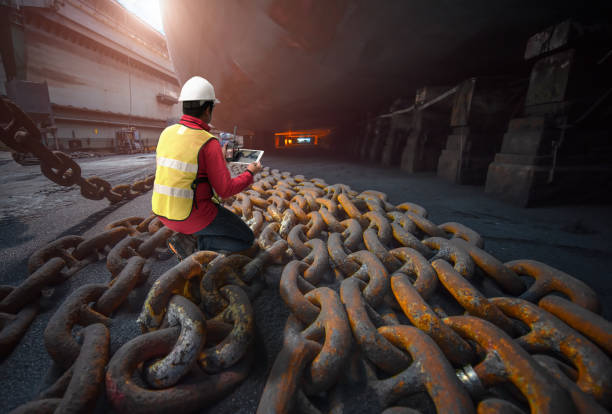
[191,172]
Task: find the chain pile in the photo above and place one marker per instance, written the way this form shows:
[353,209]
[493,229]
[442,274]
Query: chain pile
[21,135]
[377,293]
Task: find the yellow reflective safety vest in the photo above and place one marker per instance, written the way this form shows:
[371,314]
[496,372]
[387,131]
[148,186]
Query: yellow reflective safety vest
[177,168]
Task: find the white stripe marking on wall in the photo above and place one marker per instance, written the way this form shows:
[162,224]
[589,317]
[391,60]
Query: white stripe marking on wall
[177,165]
[173,191]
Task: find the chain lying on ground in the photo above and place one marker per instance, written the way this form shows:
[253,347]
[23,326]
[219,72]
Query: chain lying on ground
[377,293]
[22,136]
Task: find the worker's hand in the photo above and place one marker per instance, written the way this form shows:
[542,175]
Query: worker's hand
[254,167]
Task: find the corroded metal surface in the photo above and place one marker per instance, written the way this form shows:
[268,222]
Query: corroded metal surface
[354,271]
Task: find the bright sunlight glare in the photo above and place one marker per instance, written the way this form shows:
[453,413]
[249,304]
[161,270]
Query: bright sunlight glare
[147,10]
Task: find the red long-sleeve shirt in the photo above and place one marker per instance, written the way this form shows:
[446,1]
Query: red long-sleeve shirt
[211,164]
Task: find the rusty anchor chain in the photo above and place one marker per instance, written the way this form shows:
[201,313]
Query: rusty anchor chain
[22,136]
[364,280]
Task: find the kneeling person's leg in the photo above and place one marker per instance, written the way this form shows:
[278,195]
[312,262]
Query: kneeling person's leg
[226,232]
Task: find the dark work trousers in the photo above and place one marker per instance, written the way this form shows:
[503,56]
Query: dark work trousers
[227,232]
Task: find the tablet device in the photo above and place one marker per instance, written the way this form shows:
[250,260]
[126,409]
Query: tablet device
[247,156]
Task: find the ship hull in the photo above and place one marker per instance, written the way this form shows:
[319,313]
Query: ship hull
[279,65]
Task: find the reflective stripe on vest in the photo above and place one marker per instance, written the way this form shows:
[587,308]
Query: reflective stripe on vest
[177,167]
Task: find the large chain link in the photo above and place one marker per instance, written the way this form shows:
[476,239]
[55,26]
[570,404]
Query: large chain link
[21,135]
[377,293]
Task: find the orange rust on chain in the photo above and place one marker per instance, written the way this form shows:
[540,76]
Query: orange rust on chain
[60,344]
[311,203]
[245,205]
[130,223]
[58,248]
[275,253]
[414,208]
[338,255]
[429,371]
[278,396]
[351,210]
[497,406]
[352,235]
[169,370]
[548,279]
[408,239]
[236,344]
[334,191]
[315,225]
[504,276]
[275,214]
[591,325]
[506,361]
[375,245]
[463,232]
[584,402]
[311,192]
[330,205]
[154,225]
[86,383]
[330,327]
[118,256]
[426,226]
[152,242]
[99,242]
[374,346]
[474,302]
[415,265]
[280,203]
[269,235]
[317,260]
[171,282]
[288,221]
[377,194]
[423,317]
[121,286]
[221,272]
[549,333]
[258,201]
[400,219]
[293,288]
[297,206]
[256,223]
[451,252]
[127,396]
[375,204]
[381,224]
[377,277]
[331,222]
[296,239]
[143,226]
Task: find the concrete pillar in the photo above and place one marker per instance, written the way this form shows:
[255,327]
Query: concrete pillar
[428,131]
[377,139]
[558,150]
[481,111]
[399,130]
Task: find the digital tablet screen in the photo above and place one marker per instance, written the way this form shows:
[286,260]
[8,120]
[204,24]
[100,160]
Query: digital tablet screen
[247,156]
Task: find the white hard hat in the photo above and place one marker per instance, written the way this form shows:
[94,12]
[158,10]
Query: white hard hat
[198,89]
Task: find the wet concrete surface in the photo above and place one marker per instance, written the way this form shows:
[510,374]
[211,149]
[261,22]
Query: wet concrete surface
[575,239]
